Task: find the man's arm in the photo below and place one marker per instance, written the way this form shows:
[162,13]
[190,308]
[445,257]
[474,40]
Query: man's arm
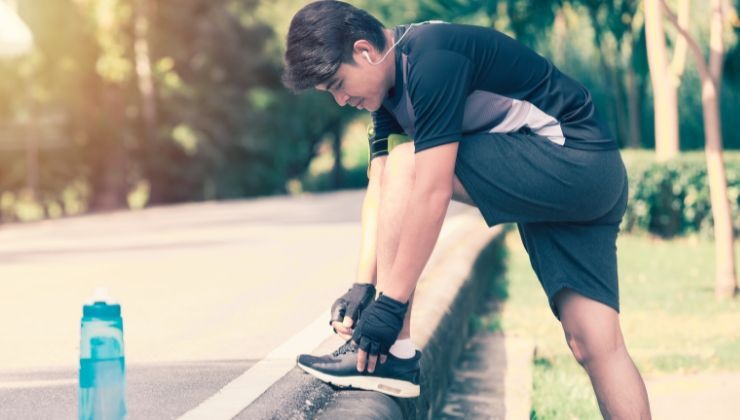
[438,87]
[422,221]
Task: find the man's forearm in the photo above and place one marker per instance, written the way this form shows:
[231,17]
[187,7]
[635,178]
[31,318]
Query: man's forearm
[422,223]
[367,268]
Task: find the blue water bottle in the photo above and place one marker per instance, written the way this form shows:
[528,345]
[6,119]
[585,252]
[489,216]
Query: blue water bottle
[102,364]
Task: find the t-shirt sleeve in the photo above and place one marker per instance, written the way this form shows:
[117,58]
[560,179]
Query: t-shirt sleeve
[384,124]
[439,84]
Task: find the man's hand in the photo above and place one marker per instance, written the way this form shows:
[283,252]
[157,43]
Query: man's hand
[348,308]
[377,331]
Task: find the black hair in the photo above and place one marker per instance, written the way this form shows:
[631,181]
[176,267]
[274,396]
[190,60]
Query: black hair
[321,38]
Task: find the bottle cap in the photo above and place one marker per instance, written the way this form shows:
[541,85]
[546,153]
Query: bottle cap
[101,306]
[102,310]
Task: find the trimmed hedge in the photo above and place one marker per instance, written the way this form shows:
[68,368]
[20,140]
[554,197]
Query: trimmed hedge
[672,198]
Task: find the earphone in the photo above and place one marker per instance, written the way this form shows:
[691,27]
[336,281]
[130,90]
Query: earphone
[367,55]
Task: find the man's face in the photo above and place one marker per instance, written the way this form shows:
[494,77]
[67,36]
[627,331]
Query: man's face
[361,85]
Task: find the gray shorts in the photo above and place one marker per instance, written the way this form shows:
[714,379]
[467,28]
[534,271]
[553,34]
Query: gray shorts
[567,203]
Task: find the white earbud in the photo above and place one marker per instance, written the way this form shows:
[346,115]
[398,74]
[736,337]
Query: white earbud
[367,56]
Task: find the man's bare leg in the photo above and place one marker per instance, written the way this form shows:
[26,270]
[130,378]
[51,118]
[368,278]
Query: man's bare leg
[593,333]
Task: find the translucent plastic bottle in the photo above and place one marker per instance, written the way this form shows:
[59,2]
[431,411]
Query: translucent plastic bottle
[102,364]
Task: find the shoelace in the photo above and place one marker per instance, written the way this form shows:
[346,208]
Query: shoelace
[349,346]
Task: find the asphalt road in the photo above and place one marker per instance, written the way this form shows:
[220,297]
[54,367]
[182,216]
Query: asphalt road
[153,391]
[206,291]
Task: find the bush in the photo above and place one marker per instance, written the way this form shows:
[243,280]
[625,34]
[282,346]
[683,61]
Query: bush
[352,178]
[672,198]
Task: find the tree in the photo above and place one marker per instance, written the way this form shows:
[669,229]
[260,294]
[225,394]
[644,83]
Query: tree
[617,25]
[665,77]
[711,82]
[142,59]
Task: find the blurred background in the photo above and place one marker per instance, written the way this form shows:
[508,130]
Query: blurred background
[114,104]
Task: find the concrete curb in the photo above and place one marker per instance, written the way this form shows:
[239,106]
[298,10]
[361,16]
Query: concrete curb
[520,353]
[448,293]
[492,379]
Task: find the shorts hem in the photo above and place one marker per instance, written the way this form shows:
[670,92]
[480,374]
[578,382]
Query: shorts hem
[474,195]
[606,300]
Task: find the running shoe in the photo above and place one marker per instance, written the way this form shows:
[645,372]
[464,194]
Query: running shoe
[396,377]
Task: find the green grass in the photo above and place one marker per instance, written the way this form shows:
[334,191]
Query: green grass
[670,319]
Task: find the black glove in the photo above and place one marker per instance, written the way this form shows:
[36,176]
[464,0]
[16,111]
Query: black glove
[352,303]
[380,324]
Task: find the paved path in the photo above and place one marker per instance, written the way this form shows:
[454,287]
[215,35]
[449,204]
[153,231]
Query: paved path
[214,281]
[714,396]
[222,283]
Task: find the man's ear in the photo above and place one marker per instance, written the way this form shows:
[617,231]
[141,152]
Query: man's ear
[361,46]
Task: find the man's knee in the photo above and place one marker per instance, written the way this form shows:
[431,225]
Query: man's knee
[588,348]
[399,165]
[591,328]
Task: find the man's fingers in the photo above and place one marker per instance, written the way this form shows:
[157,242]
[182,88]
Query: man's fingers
[352,311]
[371,362]
[344,333]
[344,337]
[348,322]
[364,347]
[338,309]
[374,350]
[361,357]
[340,328]
[383,358]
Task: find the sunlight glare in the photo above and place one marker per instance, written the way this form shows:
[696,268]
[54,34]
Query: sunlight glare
[15,37]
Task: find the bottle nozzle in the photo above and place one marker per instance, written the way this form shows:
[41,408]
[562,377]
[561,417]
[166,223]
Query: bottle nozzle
[101,295]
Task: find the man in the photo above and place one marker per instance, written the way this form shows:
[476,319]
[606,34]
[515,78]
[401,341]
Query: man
[496,126]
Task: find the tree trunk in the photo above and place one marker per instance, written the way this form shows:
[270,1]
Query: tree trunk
[678,64]
[145,84]
[725,279]
[613,81]
[337,172]
[633,109]
[32,152]
[144,69]
[109,172]
[725,282]
[623,121]
[665,100]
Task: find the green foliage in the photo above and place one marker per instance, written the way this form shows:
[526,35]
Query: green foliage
[215,88]
[224,125]
[490,266]
[672,198]
[354,159]
[252,135]
[355,177]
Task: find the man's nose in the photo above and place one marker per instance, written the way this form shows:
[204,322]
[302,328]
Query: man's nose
[341,98]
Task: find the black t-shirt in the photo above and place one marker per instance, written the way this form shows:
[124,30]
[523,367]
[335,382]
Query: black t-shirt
[459,79]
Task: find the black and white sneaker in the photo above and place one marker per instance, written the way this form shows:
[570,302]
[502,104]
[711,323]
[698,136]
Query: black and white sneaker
[396,377]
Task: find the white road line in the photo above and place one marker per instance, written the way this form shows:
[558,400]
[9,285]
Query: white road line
[42,383]
[242,391]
